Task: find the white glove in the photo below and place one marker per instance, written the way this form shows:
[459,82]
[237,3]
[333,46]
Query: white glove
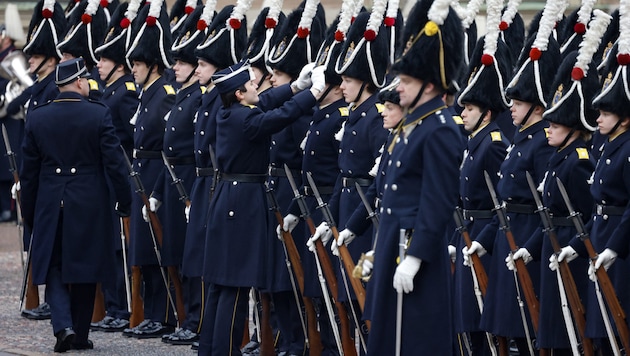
[304,79]
[15,188]
[288,224]
[452,251]
[154,205]
[567,253]
[322,232]
[520,253]
[318,78]
[606,259]
[368,265]
[405,272]
[345,237]
[187,213]
[475,247]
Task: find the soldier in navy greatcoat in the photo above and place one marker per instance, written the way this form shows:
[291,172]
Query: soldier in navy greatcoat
[149,58]
[529,90]
[483,100]
[234,254]
[64,194]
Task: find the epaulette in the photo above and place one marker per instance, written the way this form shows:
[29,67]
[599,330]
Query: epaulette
[582,152]
[458,119]
[344,111]
[546,132]
[203,90]
[93,84]
[130,86]
[380,107]
[496,136]
[169,89]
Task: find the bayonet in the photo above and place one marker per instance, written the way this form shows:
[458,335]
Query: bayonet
[368,207]
[215,167]
[179,184]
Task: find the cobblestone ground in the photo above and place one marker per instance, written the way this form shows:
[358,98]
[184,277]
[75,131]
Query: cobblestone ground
[20,336]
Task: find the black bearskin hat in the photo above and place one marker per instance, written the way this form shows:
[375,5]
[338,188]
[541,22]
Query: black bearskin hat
[226,39]
[184,45]
[88,25]
[47,26]
[152,43]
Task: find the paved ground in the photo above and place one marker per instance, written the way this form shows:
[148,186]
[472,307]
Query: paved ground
[20,336]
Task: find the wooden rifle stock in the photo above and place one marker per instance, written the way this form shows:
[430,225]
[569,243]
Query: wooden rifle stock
[349,265]
[32,292]
[480,271]
[99,312]
[267,347]
[137,304]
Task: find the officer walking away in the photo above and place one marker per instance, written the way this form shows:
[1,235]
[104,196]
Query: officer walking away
[64,194]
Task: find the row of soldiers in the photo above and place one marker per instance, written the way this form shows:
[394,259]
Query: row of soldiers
[210,158]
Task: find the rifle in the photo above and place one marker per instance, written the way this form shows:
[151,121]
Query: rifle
[215,167]
[99,312]
[155,227]
[602,276]
[183,196]
[373,216]
[565,273]
[313,339]
[344,254]
[347,342]
[267,347]
[137,304]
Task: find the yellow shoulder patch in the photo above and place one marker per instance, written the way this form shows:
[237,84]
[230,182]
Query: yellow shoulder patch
[380,107]
[582,153]
[546,132]
[203,90]
[130,86]
[344,111]
[458,120]
[93,84]
[169,89]
[495,135]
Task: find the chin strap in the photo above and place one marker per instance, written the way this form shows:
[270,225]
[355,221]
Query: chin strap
[420,92]
[326,92]
[146,79]
[39,67]
[111,72]
[360,92]
[566,139]
[528,114]
[191,73]
[479,121]
[612,131]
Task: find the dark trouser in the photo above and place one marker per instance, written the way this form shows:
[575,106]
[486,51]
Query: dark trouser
[194,290]
[157,307]
[289,323]
[71,305]
[223,327]
[326,333]
[115,292]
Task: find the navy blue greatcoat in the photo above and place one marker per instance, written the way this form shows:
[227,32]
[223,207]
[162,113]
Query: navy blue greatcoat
[122,98]
[574,166]
[529,152]
[420,193]
[72,175]
[485,152]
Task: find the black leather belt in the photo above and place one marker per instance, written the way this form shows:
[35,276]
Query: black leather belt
[520,208]
[204,172]
[181,161]
[477,214]
[279,172]
[609,209]
[348,182]
[561,221]
[144,154]
[244,178]
[324,190]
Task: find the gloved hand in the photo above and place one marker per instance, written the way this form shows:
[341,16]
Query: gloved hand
[567,253]
[405,272]
[288,224]
[123,210]
[322,232]
[475,247]
[520,253]
[15,188]
[368,263]
[154,205]
[345,237]
[187,213]
[606,259]
[452,252]
[318,78]
[304,79]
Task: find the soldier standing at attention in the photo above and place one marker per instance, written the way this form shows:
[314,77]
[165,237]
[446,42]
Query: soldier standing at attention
[64,195]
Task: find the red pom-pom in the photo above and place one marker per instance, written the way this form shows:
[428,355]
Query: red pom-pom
[579,28]
[270,23]
[352,19]
[86,19]
[339,36]
[124,23]
[503,26]
[47,13]
[577,73]
[235,23]
[201,25]
[104,3]
[188,10]
[487,60]
[623,59]
[534,54]
[389,21]
[302,32]
[369,35]
[151,21]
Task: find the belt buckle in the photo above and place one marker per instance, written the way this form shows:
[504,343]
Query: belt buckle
[197,171]
[344,182]
[600,209]
[134,153]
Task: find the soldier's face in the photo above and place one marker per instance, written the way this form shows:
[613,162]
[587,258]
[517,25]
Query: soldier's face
[105,66]
[518,110]
[408,89]
[470,115]
[556,134]
[392,114]
[350,88]
[34,62]
[250,96]
[204,71]
[183,71]
[140,72]
[607,120]
[279,78]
